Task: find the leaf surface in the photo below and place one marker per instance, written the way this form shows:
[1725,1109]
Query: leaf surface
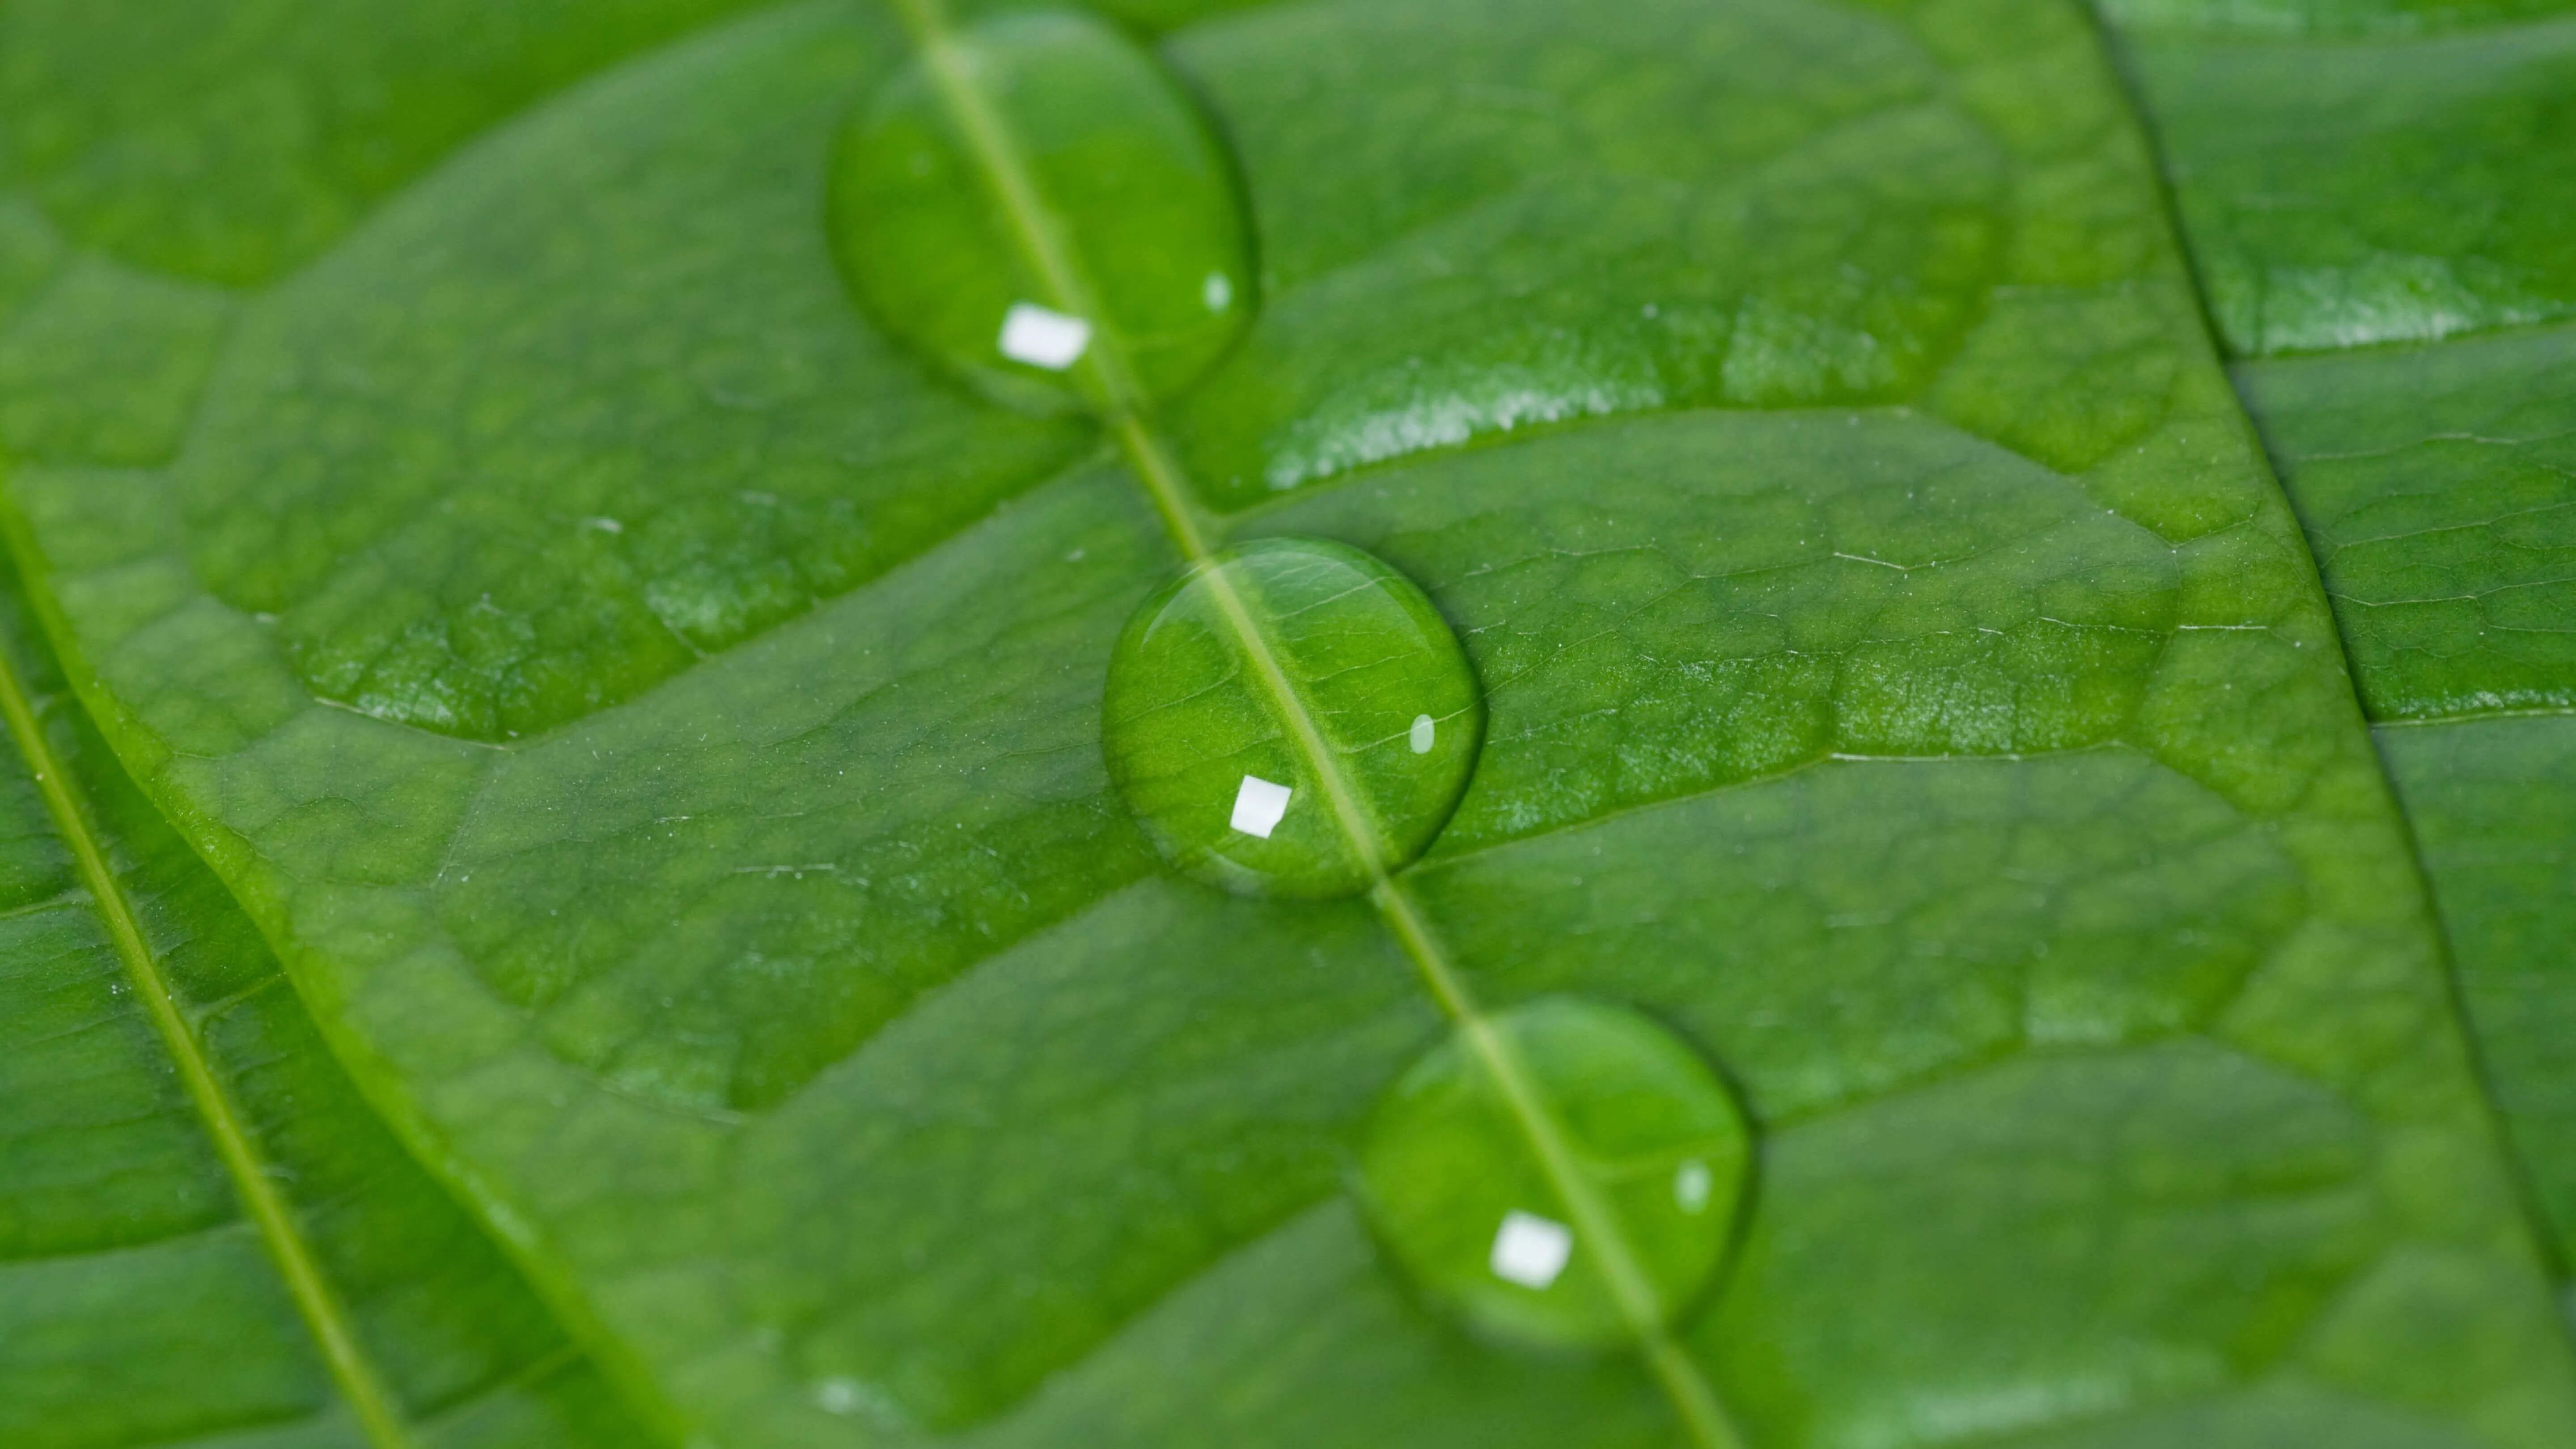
[2407,356]
[659,717]
[205,1236]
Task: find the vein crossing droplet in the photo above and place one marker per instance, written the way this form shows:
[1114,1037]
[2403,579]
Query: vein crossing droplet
[1458,1199]
[1141,230]
[1004,131]
[1215,762]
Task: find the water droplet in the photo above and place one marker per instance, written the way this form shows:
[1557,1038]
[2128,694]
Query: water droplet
[1037,203]
[1457,1185]
[1214,739]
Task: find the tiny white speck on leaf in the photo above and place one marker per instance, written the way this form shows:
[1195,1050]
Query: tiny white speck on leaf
[1691,1185]
[837,1396]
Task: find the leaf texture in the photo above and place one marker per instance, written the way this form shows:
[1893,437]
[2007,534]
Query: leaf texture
[205,1236]
[658,717]
[2423,154]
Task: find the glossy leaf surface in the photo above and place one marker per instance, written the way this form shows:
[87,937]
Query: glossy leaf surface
[207,1237]
[2429,160]
[660,715]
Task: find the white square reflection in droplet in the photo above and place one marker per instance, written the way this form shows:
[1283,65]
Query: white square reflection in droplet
[1217,292]
[1043,337]
[1691,1185]
[1423,733]
[1258,806]
[1530,1250]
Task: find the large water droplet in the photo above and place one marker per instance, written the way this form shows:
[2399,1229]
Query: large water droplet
[1265,718]
[1462,1196]
[1036,202]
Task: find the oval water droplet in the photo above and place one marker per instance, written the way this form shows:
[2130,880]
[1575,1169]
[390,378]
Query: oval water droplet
[1035,202]
[1462,1196]
[1264,718]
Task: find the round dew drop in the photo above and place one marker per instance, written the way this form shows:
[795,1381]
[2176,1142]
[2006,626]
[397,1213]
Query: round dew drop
[1462,1199]
[1037,204]
[1292,717]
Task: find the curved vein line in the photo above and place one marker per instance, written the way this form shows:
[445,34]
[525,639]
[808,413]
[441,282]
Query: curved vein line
[323,1314]
[1016,193]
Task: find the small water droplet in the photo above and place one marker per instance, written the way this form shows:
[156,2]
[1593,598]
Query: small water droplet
[1456,1185]
[1037,199]
[1221,766]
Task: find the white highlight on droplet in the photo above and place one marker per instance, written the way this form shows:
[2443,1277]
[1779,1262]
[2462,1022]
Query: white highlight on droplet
[1258,806]
[1691,1185]
[1043,337]
[1530,1250]
[1217,292]
[1423,731]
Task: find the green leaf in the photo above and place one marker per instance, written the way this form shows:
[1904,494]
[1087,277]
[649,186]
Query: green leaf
[659,716]
[2347,179]
[2440,488]
[232,143]
[203,1232]
[2431,180]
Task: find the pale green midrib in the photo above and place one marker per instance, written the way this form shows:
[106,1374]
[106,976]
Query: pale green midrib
[324,1316]
[1033,226]
[1031,223]
[1692,1397]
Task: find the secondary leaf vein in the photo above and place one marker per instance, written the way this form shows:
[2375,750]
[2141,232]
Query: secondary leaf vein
[252,1177]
